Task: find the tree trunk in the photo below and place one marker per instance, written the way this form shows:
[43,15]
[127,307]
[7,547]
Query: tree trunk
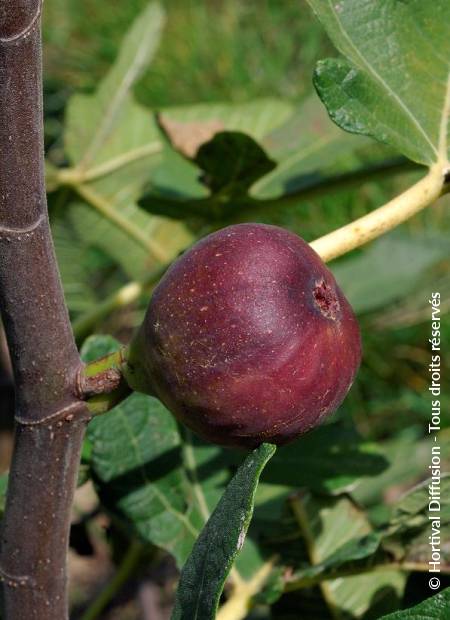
[50,417]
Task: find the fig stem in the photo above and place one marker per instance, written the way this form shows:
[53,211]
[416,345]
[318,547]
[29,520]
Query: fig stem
[370,226]
[101,383]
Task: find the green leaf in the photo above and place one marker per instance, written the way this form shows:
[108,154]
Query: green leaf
[394,81]
[175,189]
[255,118]
[115,144]
[415,502]
[300,140]
[347,557]
[308,149]
[229,163]
[401,471]
[232,162]
[98,346]
[405,535]
[3,490]
[165,238]
[334,529]
[204,574]
[160,484]
[105,125]
[74,266]
[433,608]
[137,468]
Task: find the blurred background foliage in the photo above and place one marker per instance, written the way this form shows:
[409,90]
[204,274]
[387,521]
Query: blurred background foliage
[234,52]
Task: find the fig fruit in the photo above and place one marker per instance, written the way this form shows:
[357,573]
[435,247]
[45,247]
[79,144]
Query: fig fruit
[247,338]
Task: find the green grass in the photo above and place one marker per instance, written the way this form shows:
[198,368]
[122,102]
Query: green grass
[211,50]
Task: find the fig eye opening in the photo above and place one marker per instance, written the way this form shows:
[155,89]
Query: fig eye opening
[326,300]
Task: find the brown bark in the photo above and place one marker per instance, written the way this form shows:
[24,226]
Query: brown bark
[50,418]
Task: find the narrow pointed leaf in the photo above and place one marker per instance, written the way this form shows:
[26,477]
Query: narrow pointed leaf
[203,576]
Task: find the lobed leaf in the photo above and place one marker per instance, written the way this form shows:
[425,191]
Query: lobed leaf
[299,155]
[114,144]
[109,123]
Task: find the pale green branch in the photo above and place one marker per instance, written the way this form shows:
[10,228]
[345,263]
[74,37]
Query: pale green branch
[383,219]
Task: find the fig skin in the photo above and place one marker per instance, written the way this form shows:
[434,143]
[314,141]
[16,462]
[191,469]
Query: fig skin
[247,338]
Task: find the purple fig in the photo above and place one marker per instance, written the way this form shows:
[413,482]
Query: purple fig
[247,338]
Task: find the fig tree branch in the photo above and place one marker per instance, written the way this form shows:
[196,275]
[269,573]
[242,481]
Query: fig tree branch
[50,418]
[383,219]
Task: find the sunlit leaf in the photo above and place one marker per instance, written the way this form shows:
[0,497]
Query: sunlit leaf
[393,83]
[114,143]
[109,124]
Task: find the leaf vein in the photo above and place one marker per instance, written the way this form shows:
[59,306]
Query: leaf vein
[377,77]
